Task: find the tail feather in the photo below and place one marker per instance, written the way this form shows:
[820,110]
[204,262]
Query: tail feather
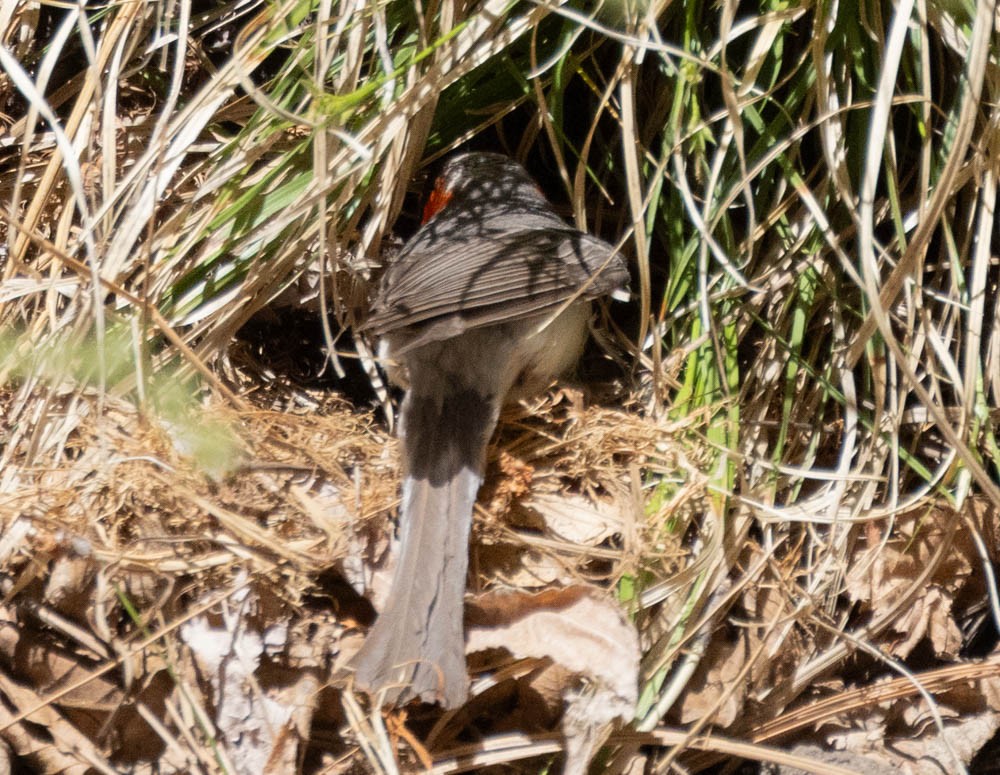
[416,647]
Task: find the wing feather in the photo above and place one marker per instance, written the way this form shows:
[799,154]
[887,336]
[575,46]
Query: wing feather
[472,274]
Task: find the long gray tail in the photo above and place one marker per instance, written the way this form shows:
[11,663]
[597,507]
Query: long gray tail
[417,646]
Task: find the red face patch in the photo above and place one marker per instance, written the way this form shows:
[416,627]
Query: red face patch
[437,201]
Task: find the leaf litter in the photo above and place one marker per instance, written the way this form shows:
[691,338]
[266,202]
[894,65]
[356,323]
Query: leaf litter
[148,591]
[234,601]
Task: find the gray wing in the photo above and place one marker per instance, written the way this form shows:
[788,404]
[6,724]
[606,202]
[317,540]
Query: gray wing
[479,276]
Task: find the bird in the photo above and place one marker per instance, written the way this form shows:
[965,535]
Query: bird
[486,304]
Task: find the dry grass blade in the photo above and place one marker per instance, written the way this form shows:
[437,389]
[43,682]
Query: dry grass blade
[934,681]
[509,748]
[69,752]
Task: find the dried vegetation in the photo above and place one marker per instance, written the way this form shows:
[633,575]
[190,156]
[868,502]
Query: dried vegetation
[764,530]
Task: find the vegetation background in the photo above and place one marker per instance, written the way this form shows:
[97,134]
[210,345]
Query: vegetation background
[796,410]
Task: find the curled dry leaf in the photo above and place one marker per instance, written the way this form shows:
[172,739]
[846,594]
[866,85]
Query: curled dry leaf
[933,751]
[584,632]
[577,627]
[899,732]
[576,518]
[715,692]
[903,737]
[930,617]
[883,577]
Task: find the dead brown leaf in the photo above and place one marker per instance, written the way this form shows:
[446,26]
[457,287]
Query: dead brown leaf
[714,689]
[884,574]
[582,631]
